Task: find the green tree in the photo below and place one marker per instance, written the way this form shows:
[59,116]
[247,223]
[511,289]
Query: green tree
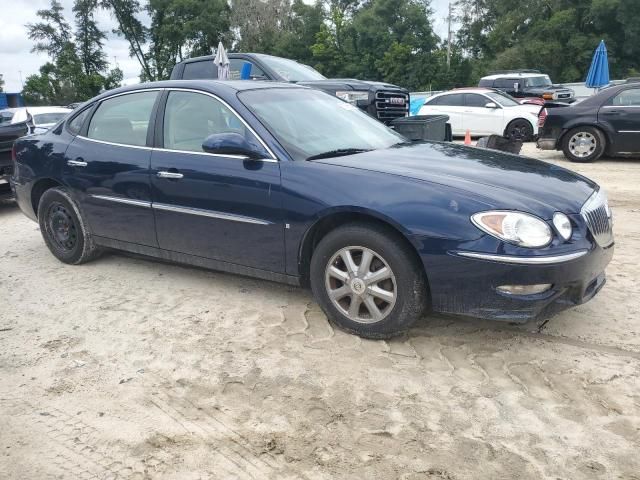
[78,67]
[555,36]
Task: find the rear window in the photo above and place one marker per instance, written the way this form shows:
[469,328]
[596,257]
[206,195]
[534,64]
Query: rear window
[5,118]
[48,118]
[204,69]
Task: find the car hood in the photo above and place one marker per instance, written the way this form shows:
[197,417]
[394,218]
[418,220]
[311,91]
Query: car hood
[499,180]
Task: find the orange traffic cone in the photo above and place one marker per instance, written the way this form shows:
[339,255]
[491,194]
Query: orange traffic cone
[467,137]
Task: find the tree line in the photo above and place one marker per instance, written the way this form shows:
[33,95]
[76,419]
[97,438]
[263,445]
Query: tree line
[385,40]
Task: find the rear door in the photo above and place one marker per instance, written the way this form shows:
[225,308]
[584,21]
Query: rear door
[222,207]
[623,115]
[108,167]
[479,119]
[451,104]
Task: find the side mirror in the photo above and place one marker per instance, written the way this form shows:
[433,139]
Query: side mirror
[491,105]
[231,144]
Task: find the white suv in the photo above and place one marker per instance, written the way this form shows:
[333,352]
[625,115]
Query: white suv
[484,111]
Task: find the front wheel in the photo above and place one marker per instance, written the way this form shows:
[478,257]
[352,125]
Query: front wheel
[367,281]
[519,130]
[583,144]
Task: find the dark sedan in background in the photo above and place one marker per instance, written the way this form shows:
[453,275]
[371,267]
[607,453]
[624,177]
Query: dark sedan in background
[288,183]
[608,122]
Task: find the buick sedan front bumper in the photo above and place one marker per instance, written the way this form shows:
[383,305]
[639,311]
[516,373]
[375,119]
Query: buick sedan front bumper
[466,283]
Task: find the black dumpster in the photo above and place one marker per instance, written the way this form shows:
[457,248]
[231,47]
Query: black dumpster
[422,127]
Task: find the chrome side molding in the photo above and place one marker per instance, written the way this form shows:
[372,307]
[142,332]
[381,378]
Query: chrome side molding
[539,260]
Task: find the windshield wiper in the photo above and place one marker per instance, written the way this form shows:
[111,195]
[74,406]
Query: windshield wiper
[340,152]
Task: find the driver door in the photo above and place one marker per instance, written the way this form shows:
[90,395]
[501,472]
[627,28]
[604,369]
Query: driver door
[222,207]
[479,119]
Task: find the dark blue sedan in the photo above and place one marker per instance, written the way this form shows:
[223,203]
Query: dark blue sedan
[287,183]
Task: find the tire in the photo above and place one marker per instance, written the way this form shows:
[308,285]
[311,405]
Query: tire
[583,144]
[63,228]
[519,130]
[400,298]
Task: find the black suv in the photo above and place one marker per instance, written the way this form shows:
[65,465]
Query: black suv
[383,101]
[527,83]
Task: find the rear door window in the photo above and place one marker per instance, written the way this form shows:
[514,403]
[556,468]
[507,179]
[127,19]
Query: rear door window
[236,65]
[452,100]
[506,83]
[124,119]
[203,69]
[628,98]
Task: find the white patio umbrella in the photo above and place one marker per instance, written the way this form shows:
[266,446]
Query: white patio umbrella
[222,62]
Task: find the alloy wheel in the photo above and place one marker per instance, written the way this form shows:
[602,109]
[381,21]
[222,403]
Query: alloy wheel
[361,284]
[582,144]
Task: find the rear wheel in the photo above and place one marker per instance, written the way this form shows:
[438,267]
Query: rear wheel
[63,228]
[519,130]
[367,281]
[583,144]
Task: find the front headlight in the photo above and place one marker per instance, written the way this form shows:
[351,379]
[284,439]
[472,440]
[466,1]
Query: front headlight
[515,227]
[353,96]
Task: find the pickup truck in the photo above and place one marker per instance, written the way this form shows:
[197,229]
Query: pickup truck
[381,100]
[528,84]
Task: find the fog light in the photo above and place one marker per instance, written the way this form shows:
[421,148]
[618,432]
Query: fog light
[524,289]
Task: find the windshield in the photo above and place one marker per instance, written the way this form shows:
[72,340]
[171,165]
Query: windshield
[541,81]
[290,70]
[309,122]
[502,99]
[48,118]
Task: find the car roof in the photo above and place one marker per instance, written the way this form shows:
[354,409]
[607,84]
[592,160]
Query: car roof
[468,90]
[514,75]
[232,55]
[212,86]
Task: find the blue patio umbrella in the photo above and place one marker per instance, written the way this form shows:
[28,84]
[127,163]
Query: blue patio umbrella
[598,75]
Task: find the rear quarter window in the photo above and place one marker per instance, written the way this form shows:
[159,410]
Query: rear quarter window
[75,124]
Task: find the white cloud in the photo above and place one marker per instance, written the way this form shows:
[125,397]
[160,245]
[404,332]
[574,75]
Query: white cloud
[16,59]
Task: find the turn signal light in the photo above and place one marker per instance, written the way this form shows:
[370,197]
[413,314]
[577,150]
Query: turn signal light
[547,96]
[524,289]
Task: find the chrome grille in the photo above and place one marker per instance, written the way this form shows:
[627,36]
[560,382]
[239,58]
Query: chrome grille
[597,214]
[391,105]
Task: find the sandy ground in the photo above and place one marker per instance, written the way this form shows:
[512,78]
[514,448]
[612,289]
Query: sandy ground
[127,368]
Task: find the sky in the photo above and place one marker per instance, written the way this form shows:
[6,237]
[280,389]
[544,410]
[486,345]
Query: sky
[17,62]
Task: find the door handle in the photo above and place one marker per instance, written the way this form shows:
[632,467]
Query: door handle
[612,112]
[172,175]
[77,163]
